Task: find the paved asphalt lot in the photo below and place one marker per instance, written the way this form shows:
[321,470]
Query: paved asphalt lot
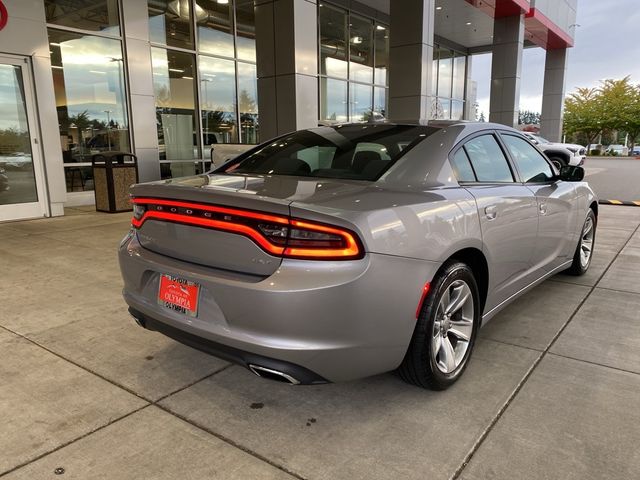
[614,178]
[553,389]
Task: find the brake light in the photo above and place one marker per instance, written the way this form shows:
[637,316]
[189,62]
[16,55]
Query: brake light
[277,235]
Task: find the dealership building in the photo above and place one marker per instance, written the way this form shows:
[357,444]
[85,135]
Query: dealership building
[170,80]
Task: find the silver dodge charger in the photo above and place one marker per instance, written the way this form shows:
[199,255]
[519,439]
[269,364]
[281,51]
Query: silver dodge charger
[335,253]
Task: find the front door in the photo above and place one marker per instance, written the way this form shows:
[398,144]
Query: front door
[21,175]
[556,201]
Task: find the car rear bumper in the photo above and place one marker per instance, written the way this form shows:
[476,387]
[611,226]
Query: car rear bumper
[315,321]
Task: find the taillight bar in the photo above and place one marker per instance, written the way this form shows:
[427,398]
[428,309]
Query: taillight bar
[275,234]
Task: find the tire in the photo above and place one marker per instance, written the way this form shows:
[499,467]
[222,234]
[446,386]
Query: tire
[427,365]
[557,162]
[586,242]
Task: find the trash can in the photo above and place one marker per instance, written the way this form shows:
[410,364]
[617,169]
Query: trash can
[113,174]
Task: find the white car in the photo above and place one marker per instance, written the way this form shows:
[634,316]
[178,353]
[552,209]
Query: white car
[560,154]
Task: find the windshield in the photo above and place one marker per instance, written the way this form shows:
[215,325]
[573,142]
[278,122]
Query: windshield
[359,152]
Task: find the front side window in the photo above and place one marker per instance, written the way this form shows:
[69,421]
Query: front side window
[349,152]
[531,164]
[488,160]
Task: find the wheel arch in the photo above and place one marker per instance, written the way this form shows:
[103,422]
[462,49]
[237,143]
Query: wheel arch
[477,261]
[559,154]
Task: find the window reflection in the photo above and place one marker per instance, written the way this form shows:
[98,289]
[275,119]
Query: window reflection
[445,73]
[218,101]
[170,23]
[95,15]
[459,74]
[88,81]
[173,84]
[380,102]
[449,80]
[354,48]
[333,42]
[248,102]
[215,27]
[382,54]
[361,108]
[246,30]
[17,179]
[361,50]
[333,94]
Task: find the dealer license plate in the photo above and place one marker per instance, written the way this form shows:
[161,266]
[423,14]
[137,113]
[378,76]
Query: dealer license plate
[179,295]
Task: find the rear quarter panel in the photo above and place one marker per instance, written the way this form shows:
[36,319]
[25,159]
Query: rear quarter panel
[426,225]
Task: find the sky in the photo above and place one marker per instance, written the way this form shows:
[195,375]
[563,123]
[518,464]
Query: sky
[607,45]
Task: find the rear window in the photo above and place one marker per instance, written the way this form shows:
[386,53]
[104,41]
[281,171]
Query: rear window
[359,152]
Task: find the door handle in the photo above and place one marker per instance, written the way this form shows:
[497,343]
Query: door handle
[491,212]
[542,208]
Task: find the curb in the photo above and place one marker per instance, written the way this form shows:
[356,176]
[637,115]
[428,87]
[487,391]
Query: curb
[632,203]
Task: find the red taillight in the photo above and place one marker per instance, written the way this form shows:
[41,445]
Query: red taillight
[275,234]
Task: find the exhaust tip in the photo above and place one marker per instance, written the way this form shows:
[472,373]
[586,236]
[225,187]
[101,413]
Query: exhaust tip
[272,374]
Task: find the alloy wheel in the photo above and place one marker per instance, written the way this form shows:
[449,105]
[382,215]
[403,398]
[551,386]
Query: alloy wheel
[586,242]
[453,327]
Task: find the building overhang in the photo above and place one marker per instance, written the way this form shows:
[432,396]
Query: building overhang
[544,33]
[501,8]
[539,29]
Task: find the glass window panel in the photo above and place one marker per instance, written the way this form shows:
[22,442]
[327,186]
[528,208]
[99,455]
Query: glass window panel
[91,101]
[170,23]
[96,15]
[382,54]
[248,102]
[17,179]
[380,102]
[333,42]
[457,109]
[461,167]
[215,27]
[218,100]
[434,72]
[489,163]
[441,108]
[361,50]
[246,30]
[531,164]
[333,94]
[360,101]
[173,84]
[445,73]
[459,74]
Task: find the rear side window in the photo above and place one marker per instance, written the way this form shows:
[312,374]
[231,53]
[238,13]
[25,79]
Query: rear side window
[531,164]
[462,167]
[488,160]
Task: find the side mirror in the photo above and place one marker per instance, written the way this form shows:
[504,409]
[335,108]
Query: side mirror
[571,174]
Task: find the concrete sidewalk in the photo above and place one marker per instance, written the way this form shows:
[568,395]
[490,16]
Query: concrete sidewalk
[552,391]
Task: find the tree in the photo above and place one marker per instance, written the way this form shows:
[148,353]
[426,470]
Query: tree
[614,96]
[527,117]
[630,121]
[584,112]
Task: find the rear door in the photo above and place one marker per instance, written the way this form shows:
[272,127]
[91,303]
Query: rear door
[508,214]
[556,204]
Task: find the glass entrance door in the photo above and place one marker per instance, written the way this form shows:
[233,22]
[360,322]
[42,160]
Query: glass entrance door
[21,194]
